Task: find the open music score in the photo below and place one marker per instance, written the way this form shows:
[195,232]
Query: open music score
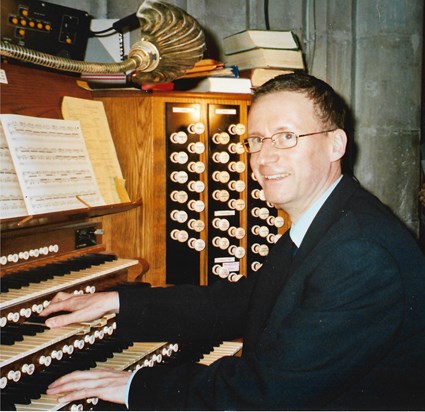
[11,199]
[53,169]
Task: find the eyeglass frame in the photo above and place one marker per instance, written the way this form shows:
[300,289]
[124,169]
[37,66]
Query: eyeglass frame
[245,141]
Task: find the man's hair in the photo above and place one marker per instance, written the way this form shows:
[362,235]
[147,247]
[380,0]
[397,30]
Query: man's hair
[330,107]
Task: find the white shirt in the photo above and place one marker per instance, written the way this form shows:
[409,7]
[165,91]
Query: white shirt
[127,394]
[299,229]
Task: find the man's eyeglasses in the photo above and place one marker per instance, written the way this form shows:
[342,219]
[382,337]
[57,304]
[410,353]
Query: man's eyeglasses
[280,140]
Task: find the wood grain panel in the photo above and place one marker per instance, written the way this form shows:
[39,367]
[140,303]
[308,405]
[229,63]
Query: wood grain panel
[37,92]
[133,234]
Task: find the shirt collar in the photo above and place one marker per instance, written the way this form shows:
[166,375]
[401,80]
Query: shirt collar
[299,229]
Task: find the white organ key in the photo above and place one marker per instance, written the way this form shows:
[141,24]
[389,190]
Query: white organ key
[45,403]
[120,361]
[225,349]
[58,283]
[131,355]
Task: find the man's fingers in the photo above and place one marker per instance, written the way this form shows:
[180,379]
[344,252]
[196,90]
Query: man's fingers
[63,320]
[104,384]
[82,375]
[60,296]
[57,303]
[81,308]
[76,395]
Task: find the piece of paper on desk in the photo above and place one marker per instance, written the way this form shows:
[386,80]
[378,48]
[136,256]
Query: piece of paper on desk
[12,202]
[100,146]
[51,163]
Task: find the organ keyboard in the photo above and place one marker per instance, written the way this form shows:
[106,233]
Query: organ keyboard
[39,293]
[139,355]
[38,262]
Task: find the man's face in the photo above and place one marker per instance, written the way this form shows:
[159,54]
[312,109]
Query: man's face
[294,178]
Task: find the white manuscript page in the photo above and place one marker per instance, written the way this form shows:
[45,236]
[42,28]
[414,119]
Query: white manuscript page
[11,199]
[52,163]
[100,145]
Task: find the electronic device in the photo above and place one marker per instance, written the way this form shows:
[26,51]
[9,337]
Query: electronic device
[46,27]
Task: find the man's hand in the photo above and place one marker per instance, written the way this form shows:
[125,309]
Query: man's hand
[105,384]
[82,308]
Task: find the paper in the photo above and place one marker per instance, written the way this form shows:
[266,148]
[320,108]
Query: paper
[11,199]
[52,164]
[100,145]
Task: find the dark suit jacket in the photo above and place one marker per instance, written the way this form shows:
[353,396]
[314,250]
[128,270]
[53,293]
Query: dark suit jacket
[342,326]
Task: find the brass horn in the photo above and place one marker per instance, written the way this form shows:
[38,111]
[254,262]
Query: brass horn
[171,42]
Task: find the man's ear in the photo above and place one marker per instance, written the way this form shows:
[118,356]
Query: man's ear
[338,144]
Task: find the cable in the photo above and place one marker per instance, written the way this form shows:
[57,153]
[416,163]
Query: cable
[313,48]
[128,23]
[101,32]
[125,24]
[112,33]
[310,35]
[266,14]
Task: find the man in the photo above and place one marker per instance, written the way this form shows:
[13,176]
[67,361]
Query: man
[341,325]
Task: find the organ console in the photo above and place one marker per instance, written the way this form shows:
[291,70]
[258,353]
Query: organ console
[41,260]
[71,251]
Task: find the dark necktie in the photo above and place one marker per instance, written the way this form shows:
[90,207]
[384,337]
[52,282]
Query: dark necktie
[294,250]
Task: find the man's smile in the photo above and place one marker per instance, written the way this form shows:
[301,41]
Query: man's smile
[276,176]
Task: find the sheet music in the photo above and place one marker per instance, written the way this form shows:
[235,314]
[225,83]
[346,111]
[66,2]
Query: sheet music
[100,145]
[51,162]
[11,199]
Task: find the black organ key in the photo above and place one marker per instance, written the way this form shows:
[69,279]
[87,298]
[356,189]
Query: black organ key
[34,275]
[38,274]
[40,320]
[15,395]
[12,282]
[10,338]
[12,333]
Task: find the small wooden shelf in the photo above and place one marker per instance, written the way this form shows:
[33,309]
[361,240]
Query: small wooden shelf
[66,216]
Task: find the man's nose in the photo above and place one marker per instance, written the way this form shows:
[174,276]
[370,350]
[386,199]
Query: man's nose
[268,153]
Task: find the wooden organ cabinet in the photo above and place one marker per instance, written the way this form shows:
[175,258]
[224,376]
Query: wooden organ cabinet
[204,217]
[70,251]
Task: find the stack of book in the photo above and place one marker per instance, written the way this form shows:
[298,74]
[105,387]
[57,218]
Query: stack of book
[263,54]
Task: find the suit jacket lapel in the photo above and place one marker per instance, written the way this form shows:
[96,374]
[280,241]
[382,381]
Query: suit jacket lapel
[266,290]
[280,264]
[327,215]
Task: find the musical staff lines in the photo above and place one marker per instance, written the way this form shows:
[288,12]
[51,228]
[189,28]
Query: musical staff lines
[47,161]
